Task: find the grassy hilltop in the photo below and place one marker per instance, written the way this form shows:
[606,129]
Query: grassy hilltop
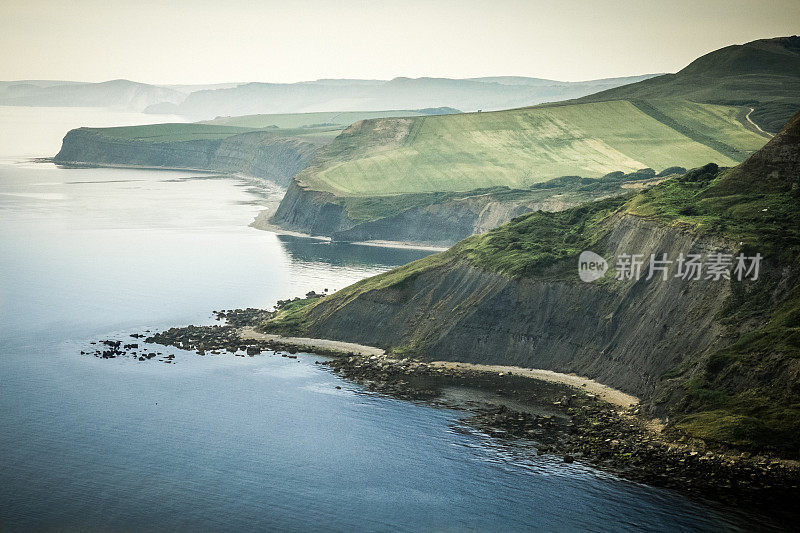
[763,75]
[518,148]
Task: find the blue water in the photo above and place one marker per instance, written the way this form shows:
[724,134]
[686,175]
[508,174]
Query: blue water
[230,443]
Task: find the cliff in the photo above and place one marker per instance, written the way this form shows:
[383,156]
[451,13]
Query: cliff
[257,153]
[720,357]
[308,211]
[440,219]
[624,334]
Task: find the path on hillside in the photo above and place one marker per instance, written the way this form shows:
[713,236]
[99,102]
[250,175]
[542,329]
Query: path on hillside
[756,125]
[604,392]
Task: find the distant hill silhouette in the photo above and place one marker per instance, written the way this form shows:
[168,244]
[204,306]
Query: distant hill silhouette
[118,94]
[763,74]
[473,94]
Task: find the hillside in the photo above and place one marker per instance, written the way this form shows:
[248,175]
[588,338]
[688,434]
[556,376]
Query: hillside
[375,161]
[399,93]
[274,147]
[521,147]
[763,74]
[720,358]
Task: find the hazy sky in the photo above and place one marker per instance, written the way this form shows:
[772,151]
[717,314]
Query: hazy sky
[204,41]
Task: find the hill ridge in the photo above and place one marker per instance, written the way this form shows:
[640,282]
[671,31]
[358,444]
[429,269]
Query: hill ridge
[764,74]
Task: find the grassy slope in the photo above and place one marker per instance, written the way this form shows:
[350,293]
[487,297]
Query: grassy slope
[299,120]
[747,394]
[716,126]
[520,147]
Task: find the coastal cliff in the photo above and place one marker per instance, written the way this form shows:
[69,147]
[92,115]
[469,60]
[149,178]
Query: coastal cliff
[307,211]
[624,334]
[258,153]
[442,219]
[441,223]
[719,357]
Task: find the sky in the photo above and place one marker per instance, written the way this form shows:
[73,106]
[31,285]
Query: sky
[215,41]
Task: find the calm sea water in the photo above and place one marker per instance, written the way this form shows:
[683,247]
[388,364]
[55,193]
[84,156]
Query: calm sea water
[229,443]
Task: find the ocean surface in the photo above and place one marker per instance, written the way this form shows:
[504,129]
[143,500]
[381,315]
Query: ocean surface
[228,443]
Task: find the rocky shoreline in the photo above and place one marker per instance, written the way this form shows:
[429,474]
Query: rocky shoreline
[549,418]
[581,427]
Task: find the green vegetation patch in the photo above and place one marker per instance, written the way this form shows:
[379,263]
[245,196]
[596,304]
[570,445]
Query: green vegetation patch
[290,319]
[568,189]
[748,393]
[758,427]
[704,199]
[171,132]
[533,244]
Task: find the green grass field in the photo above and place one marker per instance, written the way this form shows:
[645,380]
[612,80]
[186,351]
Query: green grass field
[719,122]
[284,125]
[300,120]
[173,132]
[520,147]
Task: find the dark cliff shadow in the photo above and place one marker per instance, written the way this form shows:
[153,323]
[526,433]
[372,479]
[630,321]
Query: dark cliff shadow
[347,254]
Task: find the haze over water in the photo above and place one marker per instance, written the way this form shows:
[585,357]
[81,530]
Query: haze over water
[227,443]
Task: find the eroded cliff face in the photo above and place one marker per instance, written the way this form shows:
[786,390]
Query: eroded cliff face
[445,223]
[312,212]
[441,224]
[623,333]
[258,154]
